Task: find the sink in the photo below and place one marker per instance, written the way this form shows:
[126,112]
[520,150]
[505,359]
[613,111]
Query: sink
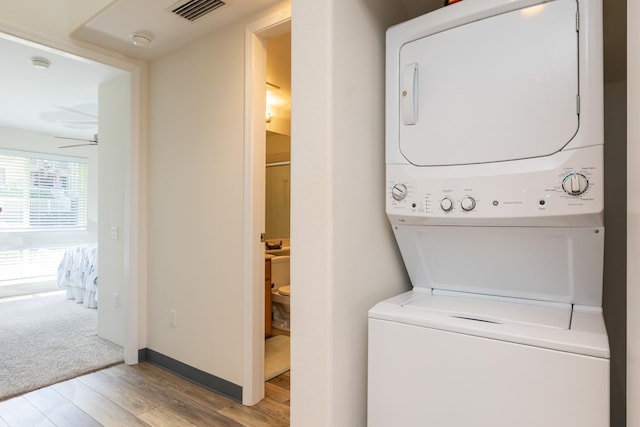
[285,250]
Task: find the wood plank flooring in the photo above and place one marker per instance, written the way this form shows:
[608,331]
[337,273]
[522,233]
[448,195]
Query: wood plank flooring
[142,395]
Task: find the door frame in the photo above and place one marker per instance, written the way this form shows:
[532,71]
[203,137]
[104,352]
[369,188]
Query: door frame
[256,34]
[133,251]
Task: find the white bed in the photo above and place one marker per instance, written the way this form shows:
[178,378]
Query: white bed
[78,274]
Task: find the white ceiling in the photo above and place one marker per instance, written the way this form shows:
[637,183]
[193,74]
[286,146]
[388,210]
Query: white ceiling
[112,27]
[61,100]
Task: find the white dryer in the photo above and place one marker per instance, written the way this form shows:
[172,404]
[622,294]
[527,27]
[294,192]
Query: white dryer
[494,149]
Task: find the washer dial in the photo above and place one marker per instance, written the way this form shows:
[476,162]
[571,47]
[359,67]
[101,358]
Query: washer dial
[446,204]
[399,192]
[575,184]
[468,203]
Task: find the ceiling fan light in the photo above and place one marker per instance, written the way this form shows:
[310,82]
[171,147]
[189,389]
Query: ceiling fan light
[40,62]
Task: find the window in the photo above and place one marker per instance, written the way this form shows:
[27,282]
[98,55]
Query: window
[20,265]
[41,192]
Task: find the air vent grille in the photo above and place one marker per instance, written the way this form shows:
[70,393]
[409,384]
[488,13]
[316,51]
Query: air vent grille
[195,9]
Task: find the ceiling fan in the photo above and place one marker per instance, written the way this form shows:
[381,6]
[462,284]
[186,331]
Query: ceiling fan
[93,141]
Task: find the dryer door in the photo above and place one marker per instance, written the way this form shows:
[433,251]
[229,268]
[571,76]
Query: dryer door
[502,88]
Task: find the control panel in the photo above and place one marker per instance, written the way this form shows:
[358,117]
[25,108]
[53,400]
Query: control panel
[572,187]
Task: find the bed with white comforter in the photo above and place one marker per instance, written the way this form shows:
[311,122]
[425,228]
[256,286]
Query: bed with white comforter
[78,274]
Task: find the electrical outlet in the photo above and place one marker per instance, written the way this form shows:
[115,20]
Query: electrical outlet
[114,232]
[116,300]
[173,321]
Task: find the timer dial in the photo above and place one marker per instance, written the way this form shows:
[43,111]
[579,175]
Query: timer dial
[575,184]
[468,203]
[446,204]
[399,192]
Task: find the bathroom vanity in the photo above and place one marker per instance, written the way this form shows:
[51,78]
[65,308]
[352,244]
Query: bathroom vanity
[267,295]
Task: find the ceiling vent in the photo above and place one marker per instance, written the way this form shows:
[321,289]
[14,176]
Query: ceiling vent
[195,9]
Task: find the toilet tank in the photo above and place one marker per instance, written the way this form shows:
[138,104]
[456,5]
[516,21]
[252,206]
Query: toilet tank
[280,271]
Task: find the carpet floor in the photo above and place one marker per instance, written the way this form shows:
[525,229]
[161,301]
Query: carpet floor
[45,339]
[276,356]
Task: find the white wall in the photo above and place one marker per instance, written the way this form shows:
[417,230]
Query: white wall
[115,130]
[633,214]
[345,255]
[195,204]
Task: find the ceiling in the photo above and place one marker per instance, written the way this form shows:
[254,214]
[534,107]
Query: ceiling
[112,27]
[61,100]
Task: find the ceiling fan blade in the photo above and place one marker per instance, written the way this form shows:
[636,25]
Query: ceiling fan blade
[78,145]
[93,141]
[75,139]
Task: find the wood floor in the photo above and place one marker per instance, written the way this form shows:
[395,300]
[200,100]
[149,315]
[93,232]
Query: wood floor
[141,395]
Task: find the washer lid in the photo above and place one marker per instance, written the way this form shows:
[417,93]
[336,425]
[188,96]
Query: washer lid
[545,325]
[500,310]
[502,88]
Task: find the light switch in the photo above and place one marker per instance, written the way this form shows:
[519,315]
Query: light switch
[114,232]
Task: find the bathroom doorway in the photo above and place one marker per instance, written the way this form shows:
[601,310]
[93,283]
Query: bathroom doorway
[277,205]
[255,312]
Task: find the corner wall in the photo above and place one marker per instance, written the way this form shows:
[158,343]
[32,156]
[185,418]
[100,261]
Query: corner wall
[344,257]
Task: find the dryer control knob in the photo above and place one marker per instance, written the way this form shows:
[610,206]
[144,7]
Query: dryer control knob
[399,192]
[575,184]
[468,203]
[446,204]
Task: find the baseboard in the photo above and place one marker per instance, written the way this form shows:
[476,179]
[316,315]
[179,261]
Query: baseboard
[192,374]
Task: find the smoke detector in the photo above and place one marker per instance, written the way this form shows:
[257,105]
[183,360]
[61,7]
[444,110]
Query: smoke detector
[141,38]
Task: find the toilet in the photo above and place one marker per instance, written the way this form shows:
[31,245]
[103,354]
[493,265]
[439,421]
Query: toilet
[280,292]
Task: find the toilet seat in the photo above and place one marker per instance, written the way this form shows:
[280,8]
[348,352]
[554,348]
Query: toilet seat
[285,290]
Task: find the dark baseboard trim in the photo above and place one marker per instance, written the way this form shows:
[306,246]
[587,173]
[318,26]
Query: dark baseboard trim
[192,374]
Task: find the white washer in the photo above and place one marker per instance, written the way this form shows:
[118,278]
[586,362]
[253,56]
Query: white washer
[494,148]
[445,360]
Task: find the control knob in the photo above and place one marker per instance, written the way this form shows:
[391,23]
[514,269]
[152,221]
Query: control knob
[575,184]
[399,192]
[446,204]
[468,203]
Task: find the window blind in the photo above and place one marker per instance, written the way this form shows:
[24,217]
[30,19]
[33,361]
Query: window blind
[42,192]
[24,264]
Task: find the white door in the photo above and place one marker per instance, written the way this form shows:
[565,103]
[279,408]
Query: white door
[501,88]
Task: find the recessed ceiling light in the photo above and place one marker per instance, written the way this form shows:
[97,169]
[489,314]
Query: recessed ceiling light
[40,62]
[141,39]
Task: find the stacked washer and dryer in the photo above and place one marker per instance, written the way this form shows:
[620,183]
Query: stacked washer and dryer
[494,150]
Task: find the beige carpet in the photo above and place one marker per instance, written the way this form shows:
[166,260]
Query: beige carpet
[276,356]
[45,339]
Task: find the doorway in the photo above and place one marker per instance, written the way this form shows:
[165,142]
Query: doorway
[128,94]
[254,313]
[278,206]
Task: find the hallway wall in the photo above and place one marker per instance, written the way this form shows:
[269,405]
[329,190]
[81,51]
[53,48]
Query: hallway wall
[346,256]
